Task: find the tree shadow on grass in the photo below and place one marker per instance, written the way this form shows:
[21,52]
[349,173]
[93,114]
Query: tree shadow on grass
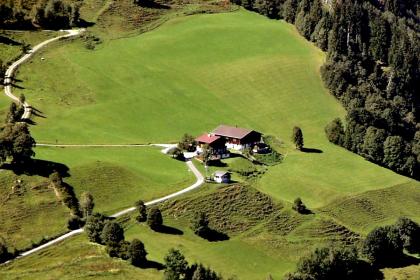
[169,230]
[213,235]
[84,23]
[151,264]
[311,150]
[402,261]
[152,4]
[38,167]
[7,41]
[217,163]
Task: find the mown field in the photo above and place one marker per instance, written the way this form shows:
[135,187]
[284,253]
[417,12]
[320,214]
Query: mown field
[116,177]
[189,75]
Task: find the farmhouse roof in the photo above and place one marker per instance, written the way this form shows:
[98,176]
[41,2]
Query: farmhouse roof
[232,132]
[220,173]
[207,138]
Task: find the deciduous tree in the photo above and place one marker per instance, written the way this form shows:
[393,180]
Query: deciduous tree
[297,137]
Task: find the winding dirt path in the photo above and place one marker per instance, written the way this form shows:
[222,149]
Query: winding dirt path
[12,68]
[27,114]
[198,183]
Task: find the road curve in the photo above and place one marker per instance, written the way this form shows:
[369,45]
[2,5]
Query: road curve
[12,68]
[198,183]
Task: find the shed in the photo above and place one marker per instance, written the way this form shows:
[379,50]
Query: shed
[221,176]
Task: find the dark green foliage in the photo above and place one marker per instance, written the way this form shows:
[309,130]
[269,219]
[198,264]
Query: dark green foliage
[383,245]
[112,234]
[271,158]
[66,192]
[17,143]
[94,226]
[299,206]
[335,132]
[379,39]
[119,250]
[289,10]
[51,14]
[86,204]
[142,210]
[200,224]
[14,114]
[297,137]
[74,222]
[204,273]
[394,152]
[187,143]
[331,264]
[4,253]
[176,153]
[409,232]
[154,218]
[137,253]
[373,145]
[372,67]
[176,267]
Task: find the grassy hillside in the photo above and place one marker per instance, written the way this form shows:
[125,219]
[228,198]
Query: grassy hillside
[189,75]
[29,210]
[117,177]
[195,73]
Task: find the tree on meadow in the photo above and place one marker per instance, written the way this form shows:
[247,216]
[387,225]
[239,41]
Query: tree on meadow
[154,218]
[176,266]
[94,225]
[112,234]
[137,253]
[141,210]
[86,204]
[297,138]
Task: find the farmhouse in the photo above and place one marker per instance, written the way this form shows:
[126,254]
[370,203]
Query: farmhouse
[216,143]
[238,138]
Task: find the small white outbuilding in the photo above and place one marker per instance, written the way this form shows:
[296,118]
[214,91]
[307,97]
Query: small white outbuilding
[221,176]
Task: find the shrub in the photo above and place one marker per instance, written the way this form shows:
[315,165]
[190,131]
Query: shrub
[154,218]
[94,226]
[335,132]
[112,234]
[382,245]
[409,232]
[200,224]
[176,267]
[187,143]
[142,210]
[333,264]
[137,253]
[74,222]
[299,207]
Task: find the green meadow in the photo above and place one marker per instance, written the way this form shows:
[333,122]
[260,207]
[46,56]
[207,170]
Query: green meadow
[190,75]
[117,177]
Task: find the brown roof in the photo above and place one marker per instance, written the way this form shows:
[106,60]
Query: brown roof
[232,132]
[207,138]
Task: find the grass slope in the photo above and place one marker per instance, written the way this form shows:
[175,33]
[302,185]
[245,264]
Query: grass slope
[29,209]
[192,74]
[265,238]
[117,177]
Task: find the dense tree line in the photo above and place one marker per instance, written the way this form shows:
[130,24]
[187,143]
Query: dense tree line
[372,67]
[50,14]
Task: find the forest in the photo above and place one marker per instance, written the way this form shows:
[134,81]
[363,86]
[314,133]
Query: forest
[372,68]
[46,14]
